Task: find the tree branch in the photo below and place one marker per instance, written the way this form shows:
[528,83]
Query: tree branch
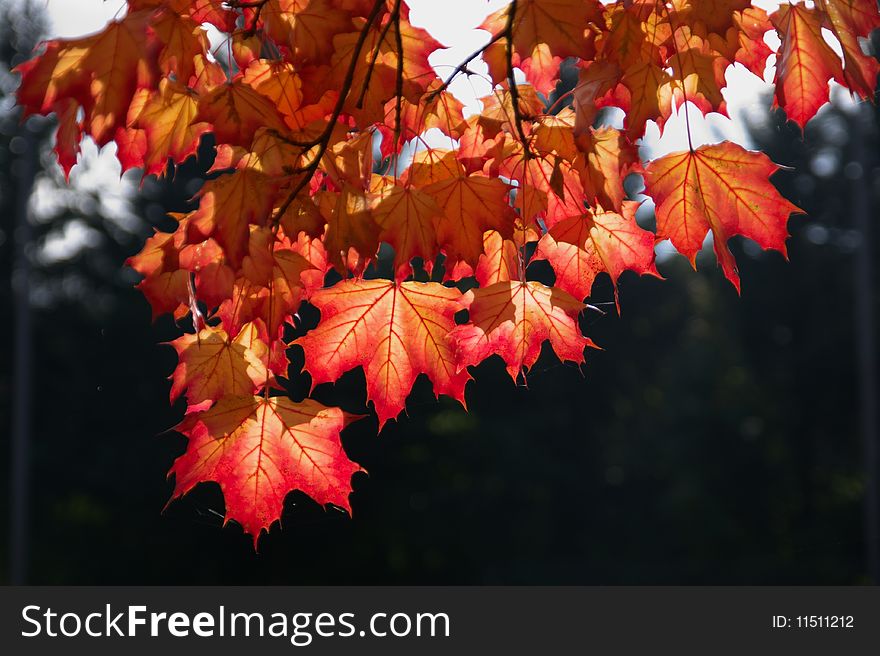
[463,66]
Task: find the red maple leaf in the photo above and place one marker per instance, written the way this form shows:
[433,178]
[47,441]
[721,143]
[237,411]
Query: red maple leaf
[259,449]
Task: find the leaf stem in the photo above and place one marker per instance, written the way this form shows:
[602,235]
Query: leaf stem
[518,121]
[684,104]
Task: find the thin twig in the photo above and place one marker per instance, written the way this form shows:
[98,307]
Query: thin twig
[250,4]
[511,82]
[393,19]
[463,66]
[323,140]
[398,109]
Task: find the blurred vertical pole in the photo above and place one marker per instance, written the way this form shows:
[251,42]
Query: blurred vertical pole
[866,336]
[26,167]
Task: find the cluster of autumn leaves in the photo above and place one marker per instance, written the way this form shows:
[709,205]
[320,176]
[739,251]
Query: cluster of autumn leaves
[311,104]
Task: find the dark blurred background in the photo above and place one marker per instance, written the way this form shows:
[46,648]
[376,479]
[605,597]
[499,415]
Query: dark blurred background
[715,439]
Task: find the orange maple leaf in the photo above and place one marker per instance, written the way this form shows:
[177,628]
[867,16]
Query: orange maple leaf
[699,73]
[183,40]
[375,75]
[561,25]
[237,111]
[170,129]
[512,319]
[212,366]
[307,27]
[499,261]
[394,331]
[805,63]
[743,41]
[56,74]
[610,158]
[723,188]
[69,134]
[227,206]
[118,68]
[442,111]
[408,218]
[560,192]
[581,247]
[101,72]
[713,15]
[352,236]
[471,205]
[165,284]
[850,21]
[207,262]
[271,285]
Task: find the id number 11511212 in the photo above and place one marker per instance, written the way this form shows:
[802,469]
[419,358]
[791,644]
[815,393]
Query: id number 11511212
[814,622]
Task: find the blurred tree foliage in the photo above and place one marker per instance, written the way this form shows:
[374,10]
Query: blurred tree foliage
[713,440]
[81,229]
